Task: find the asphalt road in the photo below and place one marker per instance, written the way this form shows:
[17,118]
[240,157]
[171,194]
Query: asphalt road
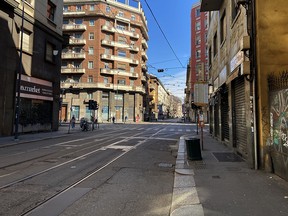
[119,169]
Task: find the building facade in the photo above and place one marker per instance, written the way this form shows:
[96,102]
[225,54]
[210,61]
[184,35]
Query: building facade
[105,60]
[31,43]
[198,63]
[248,72]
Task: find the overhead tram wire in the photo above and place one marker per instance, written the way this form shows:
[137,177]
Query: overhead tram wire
[163,33]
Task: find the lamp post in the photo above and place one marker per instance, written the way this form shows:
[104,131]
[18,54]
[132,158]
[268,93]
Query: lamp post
[18,77]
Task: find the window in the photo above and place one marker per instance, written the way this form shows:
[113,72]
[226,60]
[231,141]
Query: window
[78,35]
[197,12]
[90,50]
[89,95]
[198,26]
[122,39]
[51,8]
[106,65]
[120,14]
[131,82]
[65,8]
[91,36]
[78,7]
[121,66]
[106,80]
[49,52]
[121,53]
[121,27]
[78,21]
[133,17]
[121,82]
[108,9]
[132,69]
[107,37]
[198,40]
[198,53]
[91,8]
[215,44]
[90,65]
[65,22]
[90,79]
[91,22]
[132,29]
[26,41]
[210,56]
[107,51]
[223,27]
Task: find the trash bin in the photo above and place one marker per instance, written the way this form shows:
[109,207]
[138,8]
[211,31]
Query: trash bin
[193,148]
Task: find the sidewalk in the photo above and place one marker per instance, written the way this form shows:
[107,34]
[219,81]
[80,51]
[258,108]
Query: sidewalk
[222,184]
[32,137]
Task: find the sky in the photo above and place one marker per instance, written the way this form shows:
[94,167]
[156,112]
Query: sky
[173,18]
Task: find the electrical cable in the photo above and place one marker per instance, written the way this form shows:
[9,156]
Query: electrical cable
[163,33]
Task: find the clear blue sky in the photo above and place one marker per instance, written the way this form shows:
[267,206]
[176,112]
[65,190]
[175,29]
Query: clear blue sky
[174,20]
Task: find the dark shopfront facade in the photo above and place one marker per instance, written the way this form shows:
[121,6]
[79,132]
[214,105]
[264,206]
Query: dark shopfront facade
[36,105]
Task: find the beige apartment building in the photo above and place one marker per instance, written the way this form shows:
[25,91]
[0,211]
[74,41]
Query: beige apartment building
[105,60]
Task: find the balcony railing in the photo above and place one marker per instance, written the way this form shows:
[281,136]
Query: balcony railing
[118,72]
[74,27]
[70,55]
[73,13]
[144,55]
[125,32]
[75,85]
[144,42]
[119,58]
[73,70]
[76,41]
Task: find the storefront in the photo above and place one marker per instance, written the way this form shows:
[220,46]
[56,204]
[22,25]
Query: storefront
[36,104]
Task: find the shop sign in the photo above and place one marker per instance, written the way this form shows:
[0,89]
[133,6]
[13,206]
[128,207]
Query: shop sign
[35,88]
[236,61]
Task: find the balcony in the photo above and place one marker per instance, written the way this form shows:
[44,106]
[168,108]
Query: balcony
[144,43]
[76,41]
[144,55]
[118,72]
[125,32]
[74,27]
[119,58]
[70,55]
[73,13]
[72,70]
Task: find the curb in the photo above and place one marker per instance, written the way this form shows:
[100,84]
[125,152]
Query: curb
[185,200]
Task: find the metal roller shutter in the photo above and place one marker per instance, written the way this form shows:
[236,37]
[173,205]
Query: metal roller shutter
[240,135]
[225,113]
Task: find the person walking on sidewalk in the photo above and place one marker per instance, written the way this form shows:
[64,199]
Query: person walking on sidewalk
[113,119]
[72,122]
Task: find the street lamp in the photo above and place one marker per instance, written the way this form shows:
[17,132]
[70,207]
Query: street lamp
[18,78]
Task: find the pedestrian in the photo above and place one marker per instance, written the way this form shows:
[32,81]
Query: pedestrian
[113,119]
[92,121]
[72,122]
[126,118]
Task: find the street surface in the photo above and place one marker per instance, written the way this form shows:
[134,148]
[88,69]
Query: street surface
[118,169]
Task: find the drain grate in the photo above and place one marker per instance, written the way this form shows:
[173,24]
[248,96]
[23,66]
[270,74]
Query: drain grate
[227,157]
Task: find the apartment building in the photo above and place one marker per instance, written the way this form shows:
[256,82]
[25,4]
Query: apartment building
[31,43]
[198,62]
[248,71]
[105,60]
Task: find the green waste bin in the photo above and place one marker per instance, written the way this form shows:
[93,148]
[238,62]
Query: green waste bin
[193,148]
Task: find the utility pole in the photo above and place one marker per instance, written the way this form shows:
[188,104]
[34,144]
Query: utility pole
[18,77]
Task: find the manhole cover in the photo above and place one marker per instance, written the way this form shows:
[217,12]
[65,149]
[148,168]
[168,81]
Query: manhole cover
[227,157]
